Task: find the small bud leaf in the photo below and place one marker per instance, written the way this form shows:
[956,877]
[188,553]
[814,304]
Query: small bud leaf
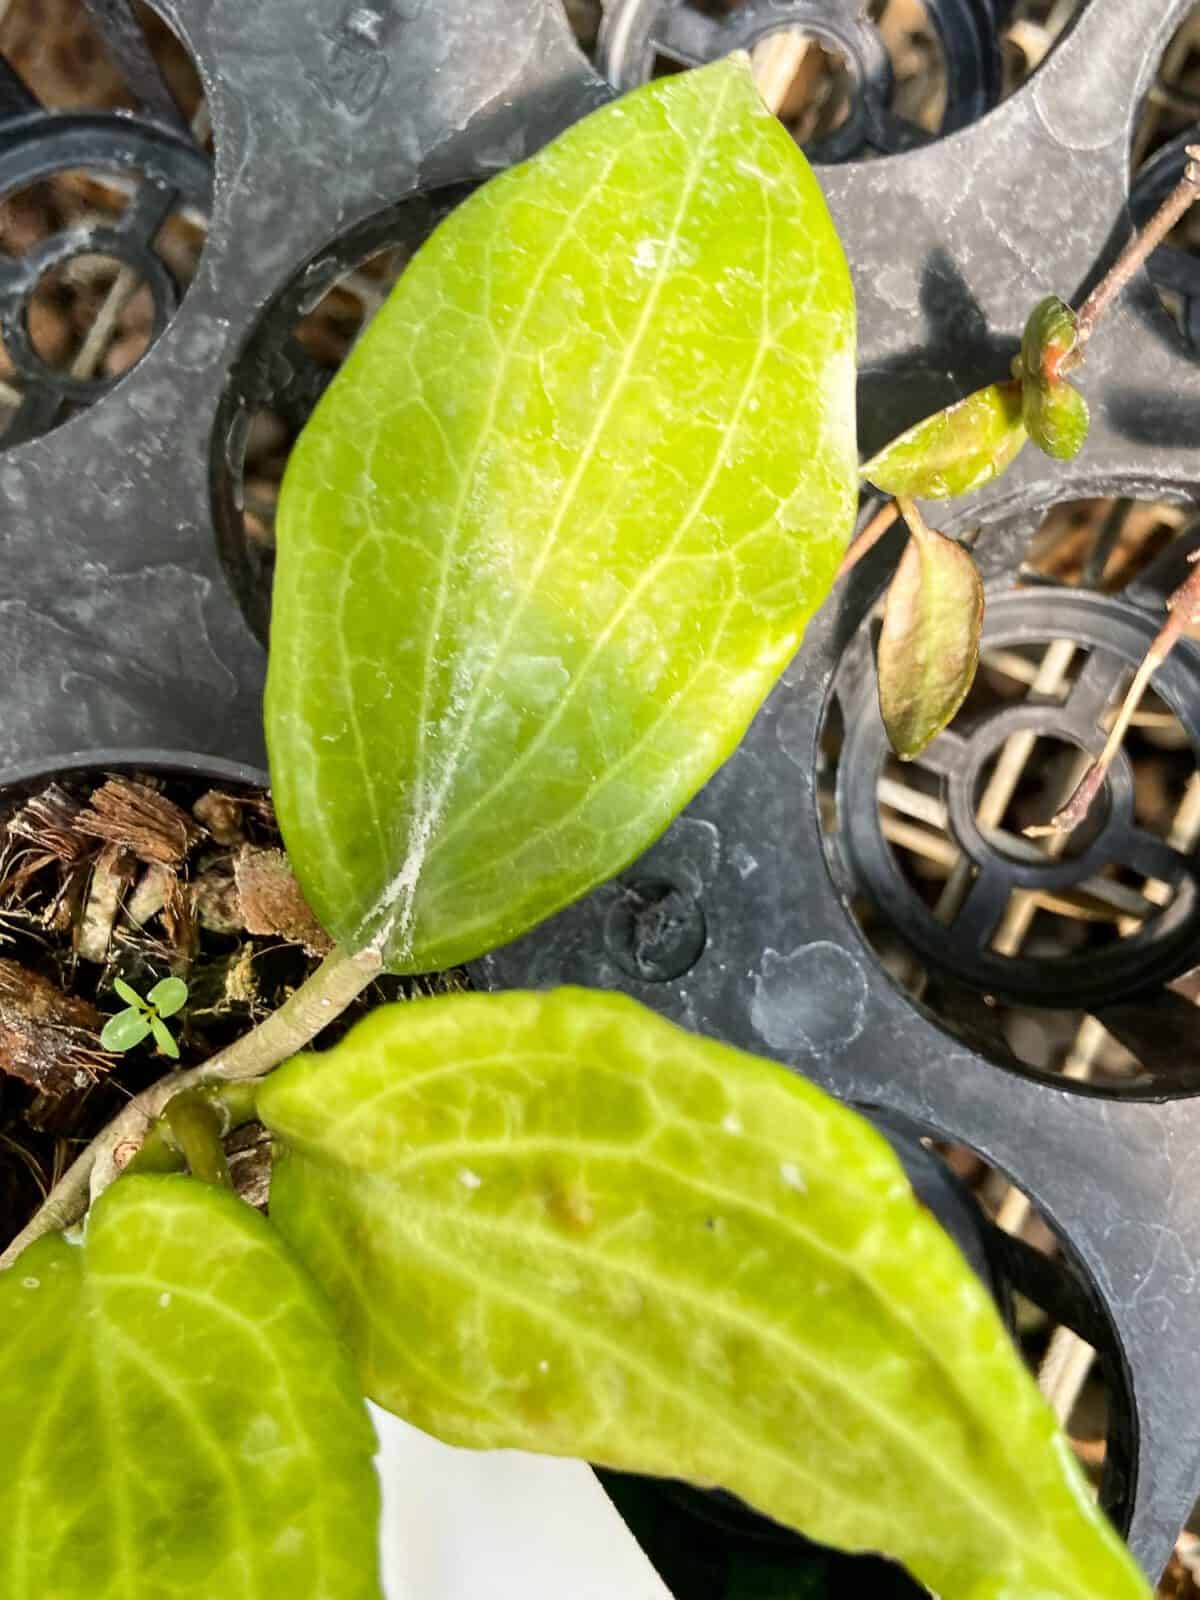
[168,996]
[1050,335]
[128,993]
[1056,418]
[955,450]
[124,1030]
[929,644]
[163,1038]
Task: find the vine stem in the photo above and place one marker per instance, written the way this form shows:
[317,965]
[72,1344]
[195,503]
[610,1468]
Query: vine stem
[1183,611]
[1135,253]
[340,978]
[870,536]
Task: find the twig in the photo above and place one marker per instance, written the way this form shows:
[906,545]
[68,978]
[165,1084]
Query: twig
[1183,611]
[1135,253]
[868,538]
[322,997]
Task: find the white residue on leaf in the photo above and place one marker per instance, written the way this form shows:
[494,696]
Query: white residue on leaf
[261,1436]
[647,255]
[792,1176]
[469,1179]
[731,1123]
[31,1283]
[164,1299]
[543,1366]
[394,913]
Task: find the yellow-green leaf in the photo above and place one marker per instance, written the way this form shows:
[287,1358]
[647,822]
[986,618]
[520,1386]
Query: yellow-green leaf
[955,450]
[929,642]
[559,522]
[1056,417]
[1050,335]
[558,1222]
[178,1420]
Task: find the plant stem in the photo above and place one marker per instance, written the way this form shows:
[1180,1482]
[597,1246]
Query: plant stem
[1135,253]
[1183,607]
[868,538]
[197,1129]
[231,1104]
[322,997]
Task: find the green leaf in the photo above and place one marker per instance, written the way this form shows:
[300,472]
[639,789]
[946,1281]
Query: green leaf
[129,994]
[929,642]
[955,450]
[558,524]
[558,1222]
[1050,335]
[1056,416]
[164,1038]
[178,1420]
[168,996]
[125,1029]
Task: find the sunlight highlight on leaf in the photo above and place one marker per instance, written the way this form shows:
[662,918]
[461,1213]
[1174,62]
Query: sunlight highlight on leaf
[558,524]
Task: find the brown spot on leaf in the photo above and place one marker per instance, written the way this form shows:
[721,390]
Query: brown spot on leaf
[569,1204]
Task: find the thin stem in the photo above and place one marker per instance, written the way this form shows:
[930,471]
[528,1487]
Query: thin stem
[1137,251]
[868,538]
[907,508]
[322,997]
[232,1104]
[197,1129]
[1184,611]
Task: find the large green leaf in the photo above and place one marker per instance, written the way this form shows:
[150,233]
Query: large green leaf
[558,524]
[559,1222]
[178,1420]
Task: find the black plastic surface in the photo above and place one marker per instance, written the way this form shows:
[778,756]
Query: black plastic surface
[127,631]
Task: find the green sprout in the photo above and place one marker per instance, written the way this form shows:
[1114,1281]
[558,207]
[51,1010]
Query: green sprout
[128,1028]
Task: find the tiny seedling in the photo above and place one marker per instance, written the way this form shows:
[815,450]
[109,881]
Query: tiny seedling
[140,1019]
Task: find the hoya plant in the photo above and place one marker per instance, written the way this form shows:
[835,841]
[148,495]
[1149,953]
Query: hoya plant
[544,548]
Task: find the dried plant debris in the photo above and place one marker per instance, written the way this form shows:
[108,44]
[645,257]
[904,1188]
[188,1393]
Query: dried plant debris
[142,821]
[272,902]
[49,1040]
[135,877]
[48,822]
[248,1151]
[220,815]
[110,878]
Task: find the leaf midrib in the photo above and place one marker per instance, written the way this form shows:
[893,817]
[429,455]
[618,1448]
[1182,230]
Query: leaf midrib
[425,821]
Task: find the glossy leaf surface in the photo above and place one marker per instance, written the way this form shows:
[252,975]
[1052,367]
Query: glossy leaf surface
[929,642]
[178,1420]
[164,1038]
[1056,417]
[557,1221]
[558,524]
[168,996]
[1049,337]
[955,450]
[125,1029]
[128,993]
